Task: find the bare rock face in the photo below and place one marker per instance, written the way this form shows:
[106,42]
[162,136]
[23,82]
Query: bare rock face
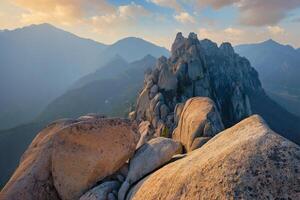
[33,178]
[199,119]
[149,157]
[70,156]
[86,152]
[198,68]
[246,161]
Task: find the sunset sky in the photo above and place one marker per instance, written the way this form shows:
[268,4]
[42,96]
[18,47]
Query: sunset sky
[236,21]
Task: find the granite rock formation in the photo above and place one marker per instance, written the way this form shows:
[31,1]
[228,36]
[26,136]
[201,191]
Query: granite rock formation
[199,121]
[88,151]
[197,68]
[246,161]
[191,97]
[70,156]
[33,178]
[147,158]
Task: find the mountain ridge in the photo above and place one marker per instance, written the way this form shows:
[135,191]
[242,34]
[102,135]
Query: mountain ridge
[278,67]
[104,94]
[49,60]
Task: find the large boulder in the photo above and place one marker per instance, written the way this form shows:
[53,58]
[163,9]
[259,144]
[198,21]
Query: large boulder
[246,161]
[199,118]
[149,157]
[33,178]
[70,156]
[86,152]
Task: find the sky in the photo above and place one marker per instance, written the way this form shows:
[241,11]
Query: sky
[158,21]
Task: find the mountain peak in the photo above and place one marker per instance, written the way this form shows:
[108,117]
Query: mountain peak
[130,40]
[45,25]
[227,48]
[271,42]
[40,27]
[182,42]
[193,36]
[148,56]
[134,48]
[117,58]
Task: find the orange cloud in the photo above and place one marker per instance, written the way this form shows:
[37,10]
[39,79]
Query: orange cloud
[60,11]
[185,17]
[256,12]
[216,4]
[168,3]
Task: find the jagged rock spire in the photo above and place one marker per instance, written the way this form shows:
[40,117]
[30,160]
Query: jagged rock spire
[178,42]
[198,68]
[227,48]
[193,36]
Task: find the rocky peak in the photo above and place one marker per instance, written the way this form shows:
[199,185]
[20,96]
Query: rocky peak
[179,40]
[227,49]
[193,36]
[198,68]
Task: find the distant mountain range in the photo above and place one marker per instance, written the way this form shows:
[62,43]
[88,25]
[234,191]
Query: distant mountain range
[38,63]
[111,90]
[279,70]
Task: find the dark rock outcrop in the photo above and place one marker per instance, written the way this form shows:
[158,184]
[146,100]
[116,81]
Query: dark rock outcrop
[198,68]
[201,68]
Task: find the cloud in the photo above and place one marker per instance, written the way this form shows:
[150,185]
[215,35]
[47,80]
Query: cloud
[184,18]
[256,12]
[88,18]
[216,4]
[267,12]
[275,30]
[233,31]
[168,3]
[123,15]
[123,22]
[229,34]
[132,11]
[61,11]
[101,16]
